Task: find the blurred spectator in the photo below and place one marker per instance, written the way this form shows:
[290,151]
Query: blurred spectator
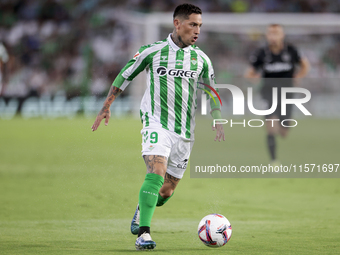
[66,45]
[3,60]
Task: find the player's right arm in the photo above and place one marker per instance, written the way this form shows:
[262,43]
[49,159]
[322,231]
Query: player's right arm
[136,65]
[105,112]
[252,72]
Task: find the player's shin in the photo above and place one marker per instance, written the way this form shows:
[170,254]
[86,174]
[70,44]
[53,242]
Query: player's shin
[148,197]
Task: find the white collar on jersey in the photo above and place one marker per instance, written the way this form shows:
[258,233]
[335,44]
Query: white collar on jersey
[175,47]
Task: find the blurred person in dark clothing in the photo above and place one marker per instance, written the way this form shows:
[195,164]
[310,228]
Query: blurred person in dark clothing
[277,64]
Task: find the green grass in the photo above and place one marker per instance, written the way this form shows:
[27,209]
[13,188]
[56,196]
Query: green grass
[67,190]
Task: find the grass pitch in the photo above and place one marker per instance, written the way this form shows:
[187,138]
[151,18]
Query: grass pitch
[66,190]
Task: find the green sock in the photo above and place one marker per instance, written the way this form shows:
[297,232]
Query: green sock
[161,200]
[148,196]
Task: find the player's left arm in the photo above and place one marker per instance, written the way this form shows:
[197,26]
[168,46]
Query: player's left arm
[304,68]
[215,106]
[302,61]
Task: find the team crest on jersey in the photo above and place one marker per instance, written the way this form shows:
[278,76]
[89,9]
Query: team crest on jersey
[183,164]
[285,57]
[151,147]
[194,61]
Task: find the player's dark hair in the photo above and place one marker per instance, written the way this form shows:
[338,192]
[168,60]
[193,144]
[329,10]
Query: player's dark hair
[185,10]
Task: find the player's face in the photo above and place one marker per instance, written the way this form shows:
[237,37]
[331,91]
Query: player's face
[275,35]
[189,29]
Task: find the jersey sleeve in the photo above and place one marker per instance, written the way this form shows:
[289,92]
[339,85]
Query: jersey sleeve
[136,65]
[256,59]
[208,77]
[296,56]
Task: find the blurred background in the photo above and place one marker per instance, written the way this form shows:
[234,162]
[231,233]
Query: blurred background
[59,57]
[67,190]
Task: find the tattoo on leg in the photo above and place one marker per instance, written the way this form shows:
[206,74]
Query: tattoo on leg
[153,162]
[173,181]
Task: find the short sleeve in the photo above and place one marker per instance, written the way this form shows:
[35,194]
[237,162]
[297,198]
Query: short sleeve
[136,65]
[208,74]
[296,55]
[256,59]
[208,77]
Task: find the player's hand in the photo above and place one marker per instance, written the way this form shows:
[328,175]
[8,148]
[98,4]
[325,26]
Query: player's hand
[255,80]
[219,132]
[103,114]
[297,81]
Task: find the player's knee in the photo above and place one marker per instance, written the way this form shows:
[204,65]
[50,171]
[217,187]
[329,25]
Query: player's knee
[272,131]
[283,132]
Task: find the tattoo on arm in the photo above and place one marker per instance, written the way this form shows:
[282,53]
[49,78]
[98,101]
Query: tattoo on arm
[154,161]
[113,94]
[173,181]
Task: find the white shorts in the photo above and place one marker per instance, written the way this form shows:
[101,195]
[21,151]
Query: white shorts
[159,141]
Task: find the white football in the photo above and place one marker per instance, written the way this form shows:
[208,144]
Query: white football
[214,230]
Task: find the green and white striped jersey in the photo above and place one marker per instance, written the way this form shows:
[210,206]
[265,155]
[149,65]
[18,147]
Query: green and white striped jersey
[172,75]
